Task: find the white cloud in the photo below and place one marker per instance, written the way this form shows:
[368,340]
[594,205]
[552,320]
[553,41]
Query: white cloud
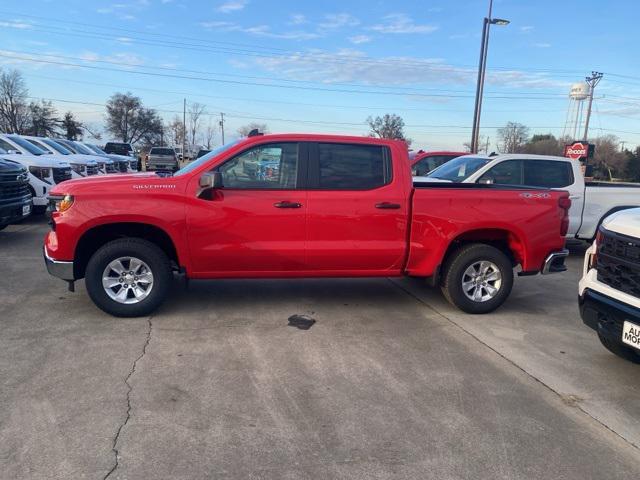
[349,65]
[258,31]
[338,20]
[232,6]
[542,45]
[16,24]
[401,23]
[526,29]
[359,39]
[297,19]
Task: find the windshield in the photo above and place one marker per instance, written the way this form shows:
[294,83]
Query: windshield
[162,151]
[29,147]
[81,148]
[458,169]
[204,159]
[96,149]
[118,148]
[39,145]
[56,146]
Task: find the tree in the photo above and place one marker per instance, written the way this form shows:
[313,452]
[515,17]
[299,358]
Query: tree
[246,129]
[195,111]
[71,128]
[512,137]
[14,109]
[43,119]
[607,160]
[175,130]
[129,121]
[388,126]
[544,144]
[209,134]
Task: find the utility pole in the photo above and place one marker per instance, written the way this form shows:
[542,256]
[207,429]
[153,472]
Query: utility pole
[592,81]
[486,149]
[222,126]
[184,129]
[622,142]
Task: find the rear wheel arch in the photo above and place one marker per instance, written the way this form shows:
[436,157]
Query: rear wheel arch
[98,236]
[504,240]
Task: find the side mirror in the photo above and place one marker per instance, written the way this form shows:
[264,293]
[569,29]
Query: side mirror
[14,152]
[211,180]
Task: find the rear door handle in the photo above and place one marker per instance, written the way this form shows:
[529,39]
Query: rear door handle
[287,205]
[388,206]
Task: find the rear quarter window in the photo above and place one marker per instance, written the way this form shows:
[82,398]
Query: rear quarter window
[548,173]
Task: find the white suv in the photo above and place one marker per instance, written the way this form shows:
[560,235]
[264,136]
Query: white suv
[81,165]
[610,287]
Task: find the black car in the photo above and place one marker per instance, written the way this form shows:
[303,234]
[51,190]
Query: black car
[119,148]
[15,197]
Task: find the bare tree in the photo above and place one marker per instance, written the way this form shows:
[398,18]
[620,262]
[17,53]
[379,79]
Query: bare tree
[130,121]
[544,144]
[195,111]
[210,133]
[14,109]
[246,129]
[175,130]
[608,160]
[388,126]
[512,137]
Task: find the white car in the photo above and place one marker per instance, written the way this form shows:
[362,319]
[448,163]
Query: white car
[591,202]
[610,288]
[131,162]
[45,171]
[81,165]
[106,165]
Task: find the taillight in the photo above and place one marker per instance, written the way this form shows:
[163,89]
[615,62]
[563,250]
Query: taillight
[565,204]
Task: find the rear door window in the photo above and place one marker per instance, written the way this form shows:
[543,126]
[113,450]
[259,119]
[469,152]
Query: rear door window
[548,173]
[339,166]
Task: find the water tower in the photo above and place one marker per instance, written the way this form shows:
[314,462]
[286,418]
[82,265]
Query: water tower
[574,123]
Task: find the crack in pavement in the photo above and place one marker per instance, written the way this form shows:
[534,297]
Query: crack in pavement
[563,398]
[114,448]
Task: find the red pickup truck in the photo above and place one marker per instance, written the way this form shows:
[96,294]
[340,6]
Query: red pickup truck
[283,206]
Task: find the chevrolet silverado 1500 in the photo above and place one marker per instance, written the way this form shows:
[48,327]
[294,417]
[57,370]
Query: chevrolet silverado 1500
[284,206]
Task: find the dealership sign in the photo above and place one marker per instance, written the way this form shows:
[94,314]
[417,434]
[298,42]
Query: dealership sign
[578,150]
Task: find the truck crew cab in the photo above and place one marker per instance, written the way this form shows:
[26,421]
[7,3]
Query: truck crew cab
[610,288]
[296,205]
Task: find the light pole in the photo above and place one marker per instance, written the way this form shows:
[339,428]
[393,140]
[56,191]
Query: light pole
[482,67]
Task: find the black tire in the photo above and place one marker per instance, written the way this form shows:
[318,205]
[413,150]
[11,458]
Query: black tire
[621,350]
[3,226]
[454,270]
[144,250]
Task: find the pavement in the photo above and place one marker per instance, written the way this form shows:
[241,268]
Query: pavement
[390,382]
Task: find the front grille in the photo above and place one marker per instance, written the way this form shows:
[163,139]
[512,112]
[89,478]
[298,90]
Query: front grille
[61,174]
[619,262]
[9,191]
[92,170]
[111,168]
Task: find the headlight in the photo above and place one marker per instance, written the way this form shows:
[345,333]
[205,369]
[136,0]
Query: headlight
[60,203]
[43,173]
[78,168]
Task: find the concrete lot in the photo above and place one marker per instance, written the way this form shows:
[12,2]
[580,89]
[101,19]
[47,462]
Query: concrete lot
[391,382]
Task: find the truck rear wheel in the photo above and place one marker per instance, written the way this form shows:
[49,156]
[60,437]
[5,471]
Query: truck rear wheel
[477,278]
[129,277]
[621,350]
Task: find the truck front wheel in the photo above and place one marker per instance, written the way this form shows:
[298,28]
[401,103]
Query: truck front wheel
[477,278]
[128,277]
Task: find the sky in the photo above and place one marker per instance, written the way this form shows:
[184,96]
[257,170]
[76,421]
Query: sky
[325,67]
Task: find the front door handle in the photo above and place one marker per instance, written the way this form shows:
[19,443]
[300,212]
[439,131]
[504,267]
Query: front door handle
[287,205]
[388,206]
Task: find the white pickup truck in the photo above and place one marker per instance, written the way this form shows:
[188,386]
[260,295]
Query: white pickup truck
[591,202]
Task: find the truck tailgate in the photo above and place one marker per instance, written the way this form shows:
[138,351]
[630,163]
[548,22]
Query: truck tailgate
[529,220]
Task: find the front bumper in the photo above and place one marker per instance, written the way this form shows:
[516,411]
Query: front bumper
[606,315]
[554,263]
[58,268]
[14,212]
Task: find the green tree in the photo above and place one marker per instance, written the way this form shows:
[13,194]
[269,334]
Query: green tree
[388,126]
[129,121]
[43,119]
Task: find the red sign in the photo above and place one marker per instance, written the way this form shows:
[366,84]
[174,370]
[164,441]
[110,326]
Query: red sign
[576,150]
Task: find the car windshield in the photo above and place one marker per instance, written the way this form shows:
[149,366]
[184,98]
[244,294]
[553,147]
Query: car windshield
[80,148]
[56,146]
[95,148]
[118,148]
[458,169]
[204,159]
[29,147]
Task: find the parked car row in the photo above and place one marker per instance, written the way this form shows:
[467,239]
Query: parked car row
[46,162]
